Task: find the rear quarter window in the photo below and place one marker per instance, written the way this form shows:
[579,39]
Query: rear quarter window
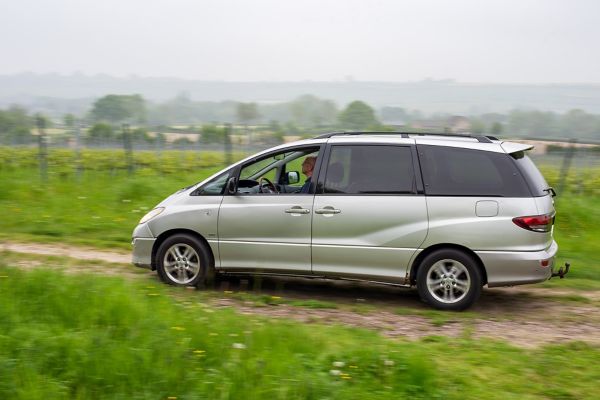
[451,171]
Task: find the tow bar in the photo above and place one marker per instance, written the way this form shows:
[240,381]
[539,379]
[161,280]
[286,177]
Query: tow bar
[561,273]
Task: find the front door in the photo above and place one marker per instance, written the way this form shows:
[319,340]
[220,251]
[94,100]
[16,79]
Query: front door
[266,225]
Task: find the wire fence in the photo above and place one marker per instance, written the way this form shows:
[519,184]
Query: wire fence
[564,163]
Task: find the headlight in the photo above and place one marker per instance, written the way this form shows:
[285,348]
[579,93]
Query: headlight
[151,214]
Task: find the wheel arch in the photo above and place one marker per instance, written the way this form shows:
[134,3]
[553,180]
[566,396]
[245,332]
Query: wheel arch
[421,256]
[166,234]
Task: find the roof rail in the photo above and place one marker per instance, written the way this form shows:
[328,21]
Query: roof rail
[330,134]
[405,135]
[480,138]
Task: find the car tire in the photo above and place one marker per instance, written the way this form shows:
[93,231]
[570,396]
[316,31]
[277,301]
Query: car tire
[449,279]
[183,260]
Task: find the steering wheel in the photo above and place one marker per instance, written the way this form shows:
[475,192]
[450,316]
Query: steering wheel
[266,186]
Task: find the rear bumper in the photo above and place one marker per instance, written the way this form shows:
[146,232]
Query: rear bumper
[508,268]
[142,252]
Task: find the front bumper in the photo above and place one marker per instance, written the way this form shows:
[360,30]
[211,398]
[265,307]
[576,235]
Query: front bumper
[508,268]
[142,252]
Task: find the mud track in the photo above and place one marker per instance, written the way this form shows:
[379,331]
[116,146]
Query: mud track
[526,316]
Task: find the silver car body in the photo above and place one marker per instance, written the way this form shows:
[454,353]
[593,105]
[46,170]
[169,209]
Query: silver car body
[376,238]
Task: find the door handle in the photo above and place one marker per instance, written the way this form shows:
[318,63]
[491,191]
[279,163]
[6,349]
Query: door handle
[328,210]
[297,210]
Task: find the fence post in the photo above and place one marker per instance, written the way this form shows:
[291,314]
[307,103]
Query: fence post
[128,148]
[566,165]
[227,144]
[78,166]
[249,138]
[43,147]
[159,143]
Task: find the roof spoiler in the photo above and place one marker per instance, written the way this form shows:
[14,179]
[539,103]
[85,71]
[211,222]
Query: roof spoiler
[512,147]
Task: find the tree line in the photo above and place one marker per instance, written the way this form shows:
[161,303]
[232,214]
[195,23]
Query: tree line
[304,115]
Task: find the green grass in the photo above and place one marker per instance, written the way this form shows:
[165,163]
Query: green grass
[91,337]
[315,304]
[103,204]
[438,318]
[101,209]
[577,232]
[575,298]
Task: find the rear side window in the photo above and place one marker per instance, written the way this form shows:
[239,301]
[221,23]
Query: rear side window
[370,169]
[533,176]
[451,171]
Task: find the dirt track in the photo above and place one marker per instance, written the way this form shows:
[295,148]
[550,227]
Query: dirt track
[526,316]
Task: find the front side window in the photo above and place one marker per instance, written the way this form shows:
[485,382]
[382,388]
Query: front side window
[260,167]
[287,172]
[370,169]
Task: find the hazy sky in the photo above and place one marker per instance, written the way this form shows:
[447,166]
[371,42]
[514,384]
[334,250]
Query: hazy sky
[521,41]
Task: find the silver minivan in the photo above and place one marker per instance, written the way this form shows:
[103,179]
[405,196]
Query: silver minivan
[446,213]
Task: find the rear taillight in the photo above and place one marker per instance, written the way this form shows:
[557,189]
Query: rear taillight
[536,223]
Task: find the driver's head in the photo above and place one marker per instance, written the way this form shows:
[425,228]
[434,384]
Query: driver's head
[308,165]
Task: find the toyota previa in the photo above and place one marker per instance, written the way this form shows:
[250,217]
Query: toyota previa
[445,213]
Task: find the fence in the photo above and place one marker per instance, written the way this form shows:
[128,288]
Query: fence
[564,164]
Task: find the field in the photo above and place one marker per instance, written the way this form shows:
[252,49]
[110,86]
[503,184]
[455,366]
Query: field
[67,336]
[77,335]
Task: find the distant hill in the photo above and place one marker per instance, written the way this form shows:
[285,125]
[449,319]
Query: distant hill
[75,93]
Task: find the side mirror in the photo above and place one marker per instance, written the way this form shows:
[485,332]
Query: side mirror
[232,185]
[292,177]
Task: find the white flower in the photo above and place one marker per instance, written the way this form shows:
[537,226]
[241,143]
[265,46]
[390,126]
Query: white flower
[240,346]
[388,363]
[335,372]
[339,364]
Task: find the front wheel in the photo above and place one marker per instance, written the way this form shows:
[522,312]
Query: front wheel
[449,279]
[183,260]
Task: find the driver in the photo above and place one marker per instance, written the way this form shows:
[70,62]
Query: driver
[308,165]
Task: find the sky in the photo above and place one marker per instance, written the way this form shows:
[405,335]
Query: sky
[478,41]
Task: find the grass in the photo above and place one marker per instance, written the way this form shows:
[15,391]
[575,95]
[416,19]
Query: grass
[315,304]
[103,204]
[436,317]
[101,209]
[577,231]
[96,337]
[575,298]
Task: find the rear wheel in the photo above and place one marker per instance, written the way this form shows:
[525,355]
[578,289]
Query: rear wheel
[183,260]
[449,279]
